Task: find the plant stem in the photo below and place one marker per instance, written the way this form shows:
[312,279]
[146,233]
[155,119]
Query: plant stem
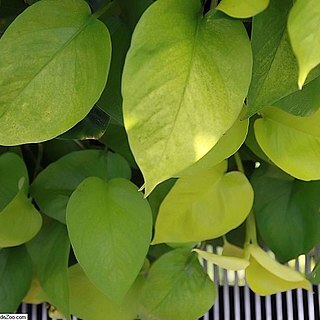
[38,160]
[103,10]
[239,162]
[213,4]
[251,230]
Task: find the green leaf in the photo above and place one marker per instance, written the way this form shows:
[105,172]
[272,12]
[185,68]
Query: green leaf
[19,221]
[87,302]
[15,277]
[54,83]
[198,61]
[116,139]
[49,252]
[287,212]
[177,288]
[111,98]
[120,222]
[204,206]
[229,144]
[230,263]
[242,8]
[53,186]
[266,276]
[303,28]
[12,171]
[93,126]
[157,196]
[291,142]
[275,69]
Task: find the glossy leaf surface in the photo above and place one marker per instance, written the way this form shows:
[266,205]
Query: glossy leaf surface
[49,252]
[291,142]
[177,288]
[303,28]
[115,216]
[55,83]
[243,8]
[287,212]
[203,60]
[15,277]
[204,206]
[54,185]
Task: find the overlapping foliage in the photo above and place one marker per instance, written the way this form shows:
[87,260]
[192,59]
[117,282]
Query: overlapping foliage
[211,108]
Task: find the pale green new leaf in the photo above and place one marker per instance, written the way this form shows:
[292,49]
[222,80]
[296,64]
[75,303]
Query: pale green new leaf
[177,288]
[304,32]
[229,144]
[291,142]
[109,226]
[204,206]
[242,8]
[19,221]
[230,263]
[49,252]
[54,62]
[15,277]
[266,276]
[185,79]
[54,185]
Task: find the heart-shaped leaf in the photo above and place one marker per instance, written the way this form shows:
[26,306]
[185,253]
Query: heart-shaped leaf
[243,8]
[286,211]
[275,68]
[15,277]
[49,252]
[109,227]
[54,83]
[19,221]
[204,206]
[303,28]
[54,185]
[203,61]
[177,288]
[265,276]
[291,142]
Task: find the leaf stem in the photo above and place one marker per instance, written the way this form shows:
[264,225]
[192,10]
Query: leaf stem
[239,162]
[38,160]
[213,4]
[103,10]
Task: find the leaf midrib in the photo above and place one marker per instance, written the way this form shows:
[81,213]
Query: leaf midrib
[54,55]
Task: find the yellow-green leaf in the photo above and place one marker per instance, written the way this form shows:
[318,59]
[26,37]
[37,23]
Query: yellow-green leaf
[229,144]
[291,142]
[204,206]
[19,221]
[54,63]
[304,32]
[180,60]
[266,276]
[226,262]
[242,8]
